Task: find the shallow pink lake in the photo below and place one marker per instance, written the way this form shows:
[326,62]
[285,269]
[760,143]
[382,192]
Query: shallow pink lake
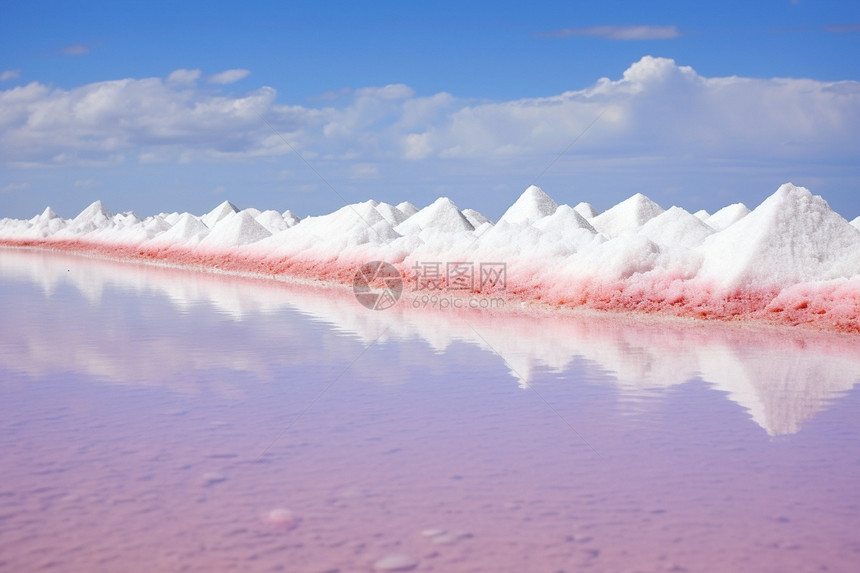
[164,420]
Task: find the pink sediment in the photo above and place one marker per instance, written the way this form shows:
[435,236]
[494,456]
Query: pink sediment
[830,306]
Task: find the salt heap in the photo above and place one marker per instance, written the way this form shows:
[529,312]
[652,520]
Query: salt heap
[792,237]
[790,261]
[626,216]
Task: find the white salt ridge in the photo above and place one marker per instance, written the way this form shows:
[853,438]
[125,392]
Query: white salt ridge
[727,216]
[628,215]
[856,223]
[356,224]
[792,237]
[532,205]
[236,230]
[441,216]
[701,215]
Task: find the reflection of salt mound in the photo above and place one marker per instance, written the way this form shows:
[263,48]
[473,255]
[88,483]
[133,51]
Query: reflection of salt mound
[783,379]
[532,205]
[626,216]
[793,236]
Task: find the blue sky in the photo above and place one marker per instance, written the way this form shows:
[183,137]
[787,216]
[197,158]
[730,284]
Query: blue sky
[155,106]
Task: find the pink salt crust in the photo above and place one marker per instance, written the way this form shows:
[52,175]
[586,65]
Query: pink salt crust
[831,306]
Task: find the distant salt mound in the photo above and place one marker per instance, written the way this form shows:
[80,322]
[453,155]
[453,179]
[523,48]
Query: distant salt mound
[532,205]
[587,210]
[676,227]
[188,229]
[856,223]
[356,224]
[93,218]
[792,237]
[407,208]
[727,216]
[475,218]
[442,216]
[391,213]
[235,231]
[701,215]
[290,218]
[225,209]
[272,221]
[626,216]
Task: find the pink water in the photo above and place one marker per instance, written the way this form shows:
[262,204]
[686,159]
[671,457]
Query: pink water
[152,420]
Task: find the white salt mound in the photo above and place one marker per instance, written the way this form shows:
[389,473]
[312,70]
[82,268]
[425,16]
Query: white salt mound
[407,208]
[587,210]
[94,217]
[188,229]
[856,223]
[441,215]
[676,227]
[391,213]
[236,230]
[356,224]
[532,205]
[225,209]
[793,236]
[727,216]
[475,218]
[630,214]
[272,221]
[701,215]
[290,218]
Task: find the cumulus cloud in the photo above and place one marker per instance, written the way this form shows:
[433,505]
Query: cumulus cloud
[618,32]
[7,75]
[656,108]
[229,76]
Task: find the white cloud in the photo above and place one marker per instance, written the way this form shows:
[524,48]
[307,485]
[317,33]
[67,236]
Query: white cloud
[14,187]
[655,109]
[75,50]
[183,76]
[618,32]
[229,76]
[7,75]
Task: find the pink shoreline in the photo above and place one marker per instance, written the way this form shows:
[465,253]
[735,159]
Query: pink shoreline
[831,306]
